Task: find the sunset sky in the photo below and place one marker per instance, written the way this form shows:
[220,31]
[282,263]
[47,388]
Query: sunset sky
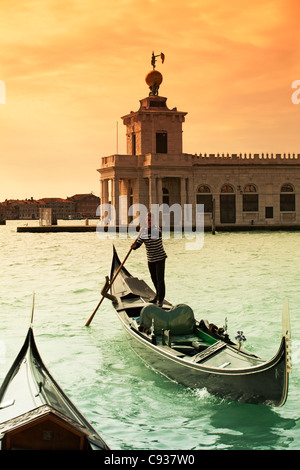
[72,68]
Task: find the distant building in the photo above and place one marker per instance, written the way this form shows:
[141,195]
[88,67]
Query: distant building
[61,208]
[2,211]
[9,209]
[237,190]
[86,205]
[29,209]
[79,205]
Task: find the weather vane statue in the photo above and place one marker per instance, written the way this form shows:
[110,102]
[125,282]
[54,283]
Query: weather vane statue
[153,59]
[154,78]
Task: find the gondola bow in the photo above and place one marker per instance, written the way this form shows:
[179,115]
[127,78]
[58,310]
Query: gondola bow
[35,413]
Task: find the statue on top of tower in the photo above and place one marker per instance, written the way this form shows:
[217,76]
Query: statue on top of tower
[153,59]
[154,78]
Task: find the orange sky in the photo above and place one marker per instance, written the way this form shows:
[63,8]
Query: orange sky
[73,67]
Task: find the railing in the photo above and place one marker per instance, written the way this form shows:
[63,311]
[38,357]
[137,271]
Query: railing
[249,156]
[185,159]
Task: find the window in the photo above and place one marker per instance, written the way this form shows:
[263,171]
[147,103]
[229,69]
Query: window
[287,188]
[227,188]
[161,142]
[133,144]
[165,196]
[130,203]
[130,197]
[250,188]
[250,198]
[287,198]
[269,212]
[204,197]
[203,189]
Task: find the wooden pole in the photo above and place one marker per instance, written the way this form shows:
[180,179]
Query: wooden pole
[113,279]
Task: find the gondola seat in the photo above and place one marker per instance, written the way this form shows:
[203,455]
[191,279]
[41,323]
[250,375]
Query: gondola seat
[179,319]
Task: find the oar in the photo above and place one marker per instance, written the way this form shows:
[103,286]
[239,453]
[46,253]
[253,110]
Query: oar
[113,279]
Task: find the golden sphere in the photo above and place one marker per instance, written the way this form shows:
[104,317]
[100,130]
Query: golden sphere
[151,76]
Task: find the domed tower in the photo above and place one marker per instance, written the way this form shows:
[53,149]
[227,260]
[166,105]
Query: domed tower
[154,170]
[154,128]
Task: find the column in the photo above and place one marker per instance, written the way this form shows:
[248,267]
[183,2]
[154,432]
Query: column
[115,201]
[104,191]
[187,197]
[152,191]
[183,192]
[103,195]
[159,191]
[123,201]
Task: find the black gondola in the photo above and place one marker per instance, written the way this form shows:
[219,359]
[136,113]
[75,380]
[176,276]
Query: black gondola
[197,354]
[35,413]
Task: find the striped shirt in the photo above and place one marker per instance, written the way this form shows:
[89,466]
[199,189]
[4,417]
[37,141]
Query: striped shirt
[154,246]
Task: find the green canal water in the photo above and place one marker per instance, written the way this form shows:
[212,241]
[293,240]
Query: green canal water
[244,277]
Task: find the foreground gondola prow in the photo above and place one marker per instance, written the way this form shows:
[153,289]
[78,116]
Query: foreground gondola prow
[286,344]
[35,413]
[286,333]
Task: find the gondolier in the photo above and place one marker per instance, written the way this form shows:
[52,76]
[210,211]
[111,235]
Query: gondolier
[151,236]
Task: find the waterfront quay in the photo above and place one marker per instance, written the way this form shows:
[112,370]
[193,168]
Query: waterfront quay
[117,229]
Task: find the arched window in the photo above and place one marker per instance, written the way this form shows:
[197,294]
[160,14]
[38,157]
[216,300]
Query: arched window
[287,198]
[250,198]
[227,188]
[204,197]
[203,188]
[250,188]
[287,188]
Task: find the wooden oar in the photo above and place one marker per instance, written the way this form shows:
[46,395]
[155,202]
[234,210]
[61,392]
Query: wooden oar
[103,296]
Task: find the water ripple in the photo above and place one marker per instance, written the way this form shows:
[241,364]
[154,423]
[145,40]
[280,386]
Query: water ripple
[244,277]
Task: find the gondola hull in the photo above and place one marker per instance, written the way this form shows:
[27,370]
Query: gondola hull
[35,413]
[221,367]
[261,385]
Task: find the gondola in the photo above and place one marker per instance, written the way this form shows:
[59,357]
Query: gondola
[194,353]
[35,413]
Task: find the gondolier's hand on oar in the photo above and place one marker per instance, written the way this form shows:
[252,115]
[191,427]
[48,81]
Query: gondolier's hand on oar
[105,294]
[105,289]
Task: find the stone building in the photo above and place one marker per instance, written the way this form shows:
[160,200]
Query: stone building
[238,190]
[86,205]
[61,208]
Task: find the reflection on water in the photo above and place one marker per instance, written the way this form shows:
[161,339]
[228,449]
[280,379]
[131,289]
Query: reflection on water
[244,277]
[246,427]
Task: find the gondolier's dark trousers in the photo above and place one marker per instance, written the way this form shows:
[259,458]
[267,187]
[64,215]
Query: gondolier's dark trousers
[157,272]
